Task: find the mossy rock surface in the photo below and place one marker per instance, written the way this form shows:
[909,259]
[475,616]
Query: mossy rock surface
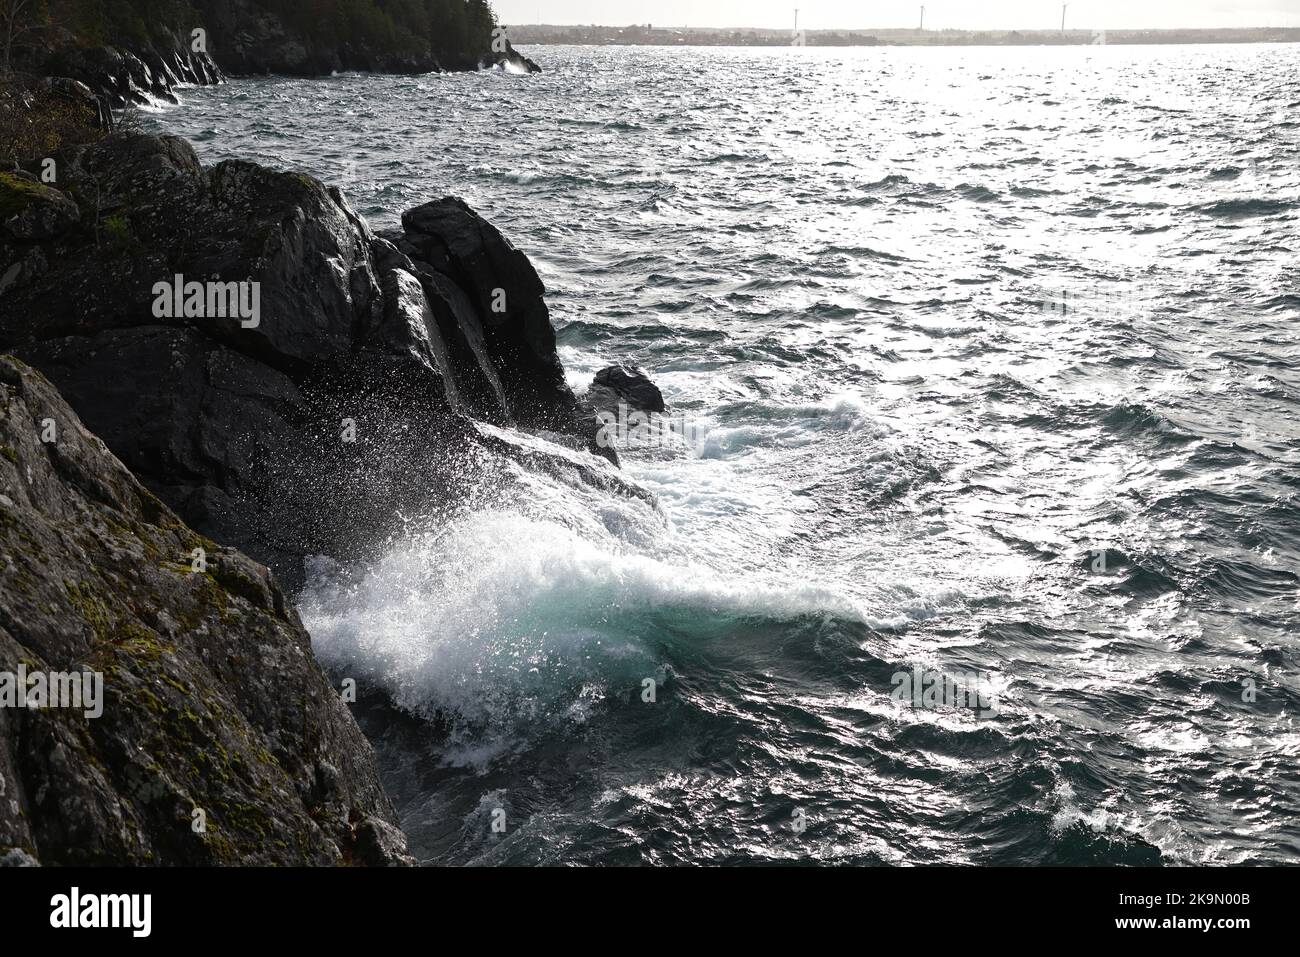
[30,211]
[215,737]
[18,192]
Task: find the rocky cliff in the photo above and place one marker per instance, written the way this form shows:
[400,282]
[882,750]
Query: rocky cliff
[213,736]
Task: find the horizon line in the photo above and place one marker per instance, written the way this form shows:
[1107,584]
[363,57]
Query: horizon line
[912,30]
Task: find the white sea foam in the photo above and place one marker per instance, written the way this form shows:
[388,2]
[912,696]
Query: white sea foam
[502,616]
[786,425]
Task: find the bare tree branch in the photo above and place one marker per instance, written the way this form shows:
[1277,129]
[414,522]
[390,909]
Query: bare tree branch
[17,18]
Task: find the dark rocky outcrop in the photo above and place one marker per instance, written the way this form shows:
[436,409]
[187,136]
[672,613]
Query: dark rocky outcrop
[32,211]
[131,74]
[492,311]
[219,740]
[515,58]
[352,400]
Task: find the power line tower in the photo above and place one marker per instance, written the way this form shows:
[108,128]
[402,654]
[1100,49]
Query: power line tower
[921,28]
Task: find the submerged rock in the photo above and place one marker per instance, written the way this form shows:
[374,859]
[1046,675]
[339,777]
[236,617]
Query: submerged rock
[213,737]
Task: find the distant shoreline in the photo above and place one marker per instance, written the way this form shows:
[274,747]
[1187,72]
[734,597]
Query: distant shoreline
[646,35]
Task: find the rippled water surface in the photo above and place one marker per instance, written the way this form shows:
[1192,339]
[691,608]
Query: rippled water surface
[986,363]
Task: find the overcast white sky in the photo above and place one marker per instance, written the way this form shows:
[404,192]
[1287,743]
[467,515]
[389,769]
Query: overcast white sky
[962,14]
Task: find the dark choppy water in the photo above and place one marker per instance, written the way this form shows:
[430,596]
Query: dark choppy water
[988,358]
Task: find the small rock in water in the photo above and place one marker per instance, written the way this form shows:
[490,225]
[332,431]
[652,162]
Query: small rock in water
[626,384]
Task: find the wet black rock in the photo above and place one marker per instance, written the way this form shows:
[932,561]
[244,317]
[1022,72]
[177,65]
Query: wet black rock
[507,326]
[205,732]
[623,385]
[138,76]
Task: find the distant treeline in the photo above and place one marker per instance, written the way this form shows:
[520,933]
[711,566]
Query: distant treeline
[445,27]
